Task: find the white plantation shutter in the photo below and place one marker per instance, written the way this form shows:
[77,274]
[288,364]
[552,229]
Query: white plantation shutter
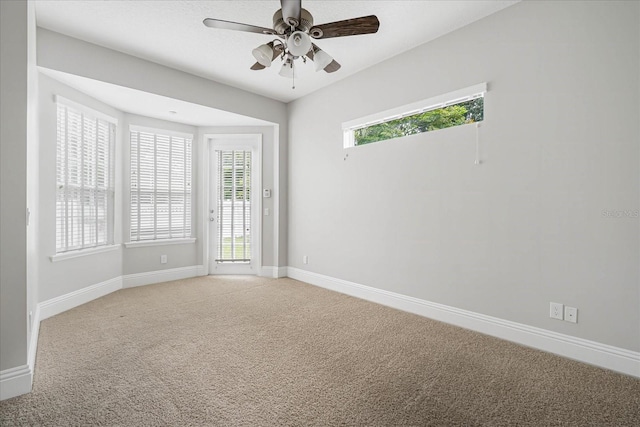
[160,185]
[84,178]
[234,205]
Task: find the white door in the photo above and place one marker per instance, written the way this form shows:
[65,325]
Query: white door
[234,205]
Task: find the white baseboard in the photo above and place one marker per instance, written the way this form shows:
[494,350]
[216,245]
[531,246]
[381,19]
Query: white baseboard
[68,301]
[282,272]
[271,271]
[201,270]
[15,381]
[33,341]
[267,271]
[18,380]
[603,355]
[159,276]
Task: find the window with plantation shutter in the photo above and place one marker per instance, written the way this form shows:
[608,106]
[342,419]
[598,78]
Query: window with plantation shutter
[160,185]
[84,190]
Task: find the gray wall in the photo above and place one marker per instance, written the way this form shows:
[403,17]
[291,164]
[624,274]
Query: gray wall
[62,277]
[559,145]
[66,54]
[13,184]
[65,276]
[70,55]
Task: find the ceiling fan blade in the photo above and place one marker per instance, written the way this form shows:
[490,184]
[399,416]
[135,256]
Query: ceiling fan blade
[236,26]
[311,53]
[291,10]
[332,67]
[349,27]
[258,66]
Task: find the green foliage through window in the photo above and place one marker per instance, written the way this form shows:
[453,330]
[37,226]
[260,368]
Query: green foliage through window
[441,118]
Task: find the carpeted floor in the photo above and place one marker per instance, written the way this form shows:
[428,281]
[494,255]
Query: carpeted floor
[246,351]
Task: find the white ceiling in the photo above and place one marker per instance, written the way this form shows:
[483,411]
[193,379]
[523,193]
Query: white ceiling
[171,33]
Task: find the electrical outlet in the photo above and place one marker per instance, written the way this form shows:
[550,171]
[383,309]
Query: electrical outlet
[305,259]
[556,311]
[163,259]
[571,314]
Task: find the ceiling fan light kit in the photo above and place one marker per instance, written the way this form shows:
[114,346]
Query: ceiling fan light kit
[299,43]
[295,29]
[287,69]
[263,54]
[321,59]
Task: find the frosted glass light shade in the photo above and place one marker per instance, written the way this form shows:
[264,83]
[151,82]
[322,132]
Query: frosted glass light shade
[287,69]
[263,54]
[321,59]
[298,43]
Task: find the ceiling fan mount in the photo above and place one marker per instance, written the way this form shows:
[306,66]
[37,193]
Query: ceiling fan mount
[294,28]
[280,26]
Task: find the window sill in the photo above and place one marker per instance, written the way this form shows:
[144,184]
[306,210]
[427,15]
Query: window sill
[83,252]
[159,242]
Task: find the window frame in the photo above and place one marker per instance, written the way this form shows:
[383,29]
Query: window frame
[188,237]
[108,244]
[428,104]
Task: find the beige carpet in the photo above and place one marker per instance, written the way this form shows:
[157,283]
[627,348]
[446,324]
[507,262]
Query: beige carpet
[243,351]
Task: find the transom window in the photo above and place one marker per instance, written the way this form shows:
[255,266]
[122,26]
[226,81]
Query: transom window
[84,177]
[451,109]
[160,184]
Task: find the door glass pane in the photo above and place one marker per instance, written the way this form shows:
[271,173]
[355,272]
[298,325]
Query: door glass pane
[234,206]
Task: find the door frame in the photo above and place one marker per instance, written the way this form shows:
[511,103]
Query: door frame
[231,141]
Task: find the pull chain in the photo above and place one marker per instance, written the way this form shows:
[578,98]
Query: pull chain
[293,70]
[477,162]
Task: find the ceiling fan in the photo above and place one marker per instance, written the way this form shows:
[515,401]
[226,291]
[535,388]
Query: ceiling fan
[294,28]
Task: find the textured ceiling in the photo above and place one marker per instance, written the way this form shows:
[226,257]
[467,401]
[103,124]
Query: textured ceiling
[171,33]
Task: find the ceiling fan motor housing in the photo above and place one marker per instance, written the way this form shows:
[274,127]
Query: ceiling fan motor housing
[281,27]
